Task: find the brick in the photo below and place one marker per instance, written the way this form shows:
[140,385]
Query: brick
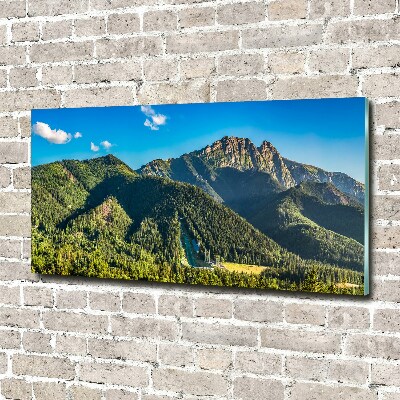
[37,342]
[175,355]
[314,391]
[15,202]
[305,314]
[385,374]
[13,152]
[10,248]
[72,345]
[329,8]
[390,396]
[56,7]
[386,290]
[229,335]
[241,64]
[138,303]
[191,17]
[241,90]
[194,91]
[10,339]
[287,9]
[257,362]
[381,85]
[386,207]
[123,349]
[11,271]
[376,57]
[197,68]
[10,295]
[329,61]
[388,114]
[3,363]
[157,69]
[241,13]
[258,389]
[144,328]
[297,340]
[16,389]
[128,47]
[282,36]
[348,317]
[213,308]
[64,51]
[386,147]
[53,75]
[3,79]
[159,21]
[82,392]
[120,394]
[48,367]
[27,100]
[214,359]
[71,299]
[104,301]
[94,26]
[52,30]
[74,322]
[363,31]
[12,55]
[368,7]
[92,97]
[22,178]
[108,72]
[26,248]
[8,127]
[12,8]
[38,296]
[25,126]
[115,4]
[386,320]
[351,372]
[192,383]
[314,87]
[385,263]
[380,346]
[25,32]
[389,178]
[258,310]
[386,237]
[15,225]
[307,368]
[119,24]
[115,374]
[202,42]
[5,177]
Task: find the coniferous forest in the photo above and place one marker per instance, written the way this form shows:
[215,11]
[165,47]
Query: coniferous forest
[231,214]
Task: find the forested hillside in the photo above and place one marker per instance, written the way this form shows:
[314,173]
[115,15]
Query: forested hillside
[99,218]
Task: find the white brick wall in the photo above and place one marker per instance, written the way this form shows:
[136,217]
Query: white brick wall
[71,338]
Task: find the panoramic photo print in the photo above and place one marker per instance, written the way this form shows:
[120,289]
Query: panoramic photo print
[263,194]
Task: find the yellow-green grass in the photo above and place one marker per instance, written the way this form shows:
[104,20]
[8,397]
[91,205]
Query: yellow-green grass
[247,268]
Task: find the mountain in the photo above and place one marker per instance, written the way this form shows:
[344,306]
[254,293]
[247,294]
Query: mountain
[100,218]
[218,166]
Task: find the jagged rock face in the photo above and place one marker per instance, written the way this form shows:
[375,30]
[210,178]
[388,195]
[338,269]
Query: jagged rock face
[201,167]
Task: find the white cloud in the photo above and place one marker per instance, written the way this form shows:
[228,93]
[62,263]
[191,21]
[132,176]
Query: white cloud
[51,135]
[106,144]
[153,120]
[77,135]
[93,147]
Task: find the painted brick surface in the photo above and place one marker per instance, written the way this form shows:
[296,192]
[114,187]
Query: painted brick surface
[71,338]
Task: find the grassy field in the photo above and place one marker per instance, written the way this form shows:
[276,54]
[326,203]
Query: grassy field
[247,268]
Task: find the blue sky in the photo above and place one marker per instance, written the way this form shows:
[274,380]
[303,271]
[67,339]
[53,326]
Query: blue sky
[328,133]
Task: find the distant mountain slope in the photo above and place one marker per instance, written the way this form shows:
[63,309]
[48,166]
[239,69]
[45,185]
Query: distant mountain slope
[205,168]
[330,231]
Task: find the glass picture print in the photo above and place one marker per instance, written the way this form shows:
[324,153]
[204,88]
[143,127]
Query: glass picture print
[261,194]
